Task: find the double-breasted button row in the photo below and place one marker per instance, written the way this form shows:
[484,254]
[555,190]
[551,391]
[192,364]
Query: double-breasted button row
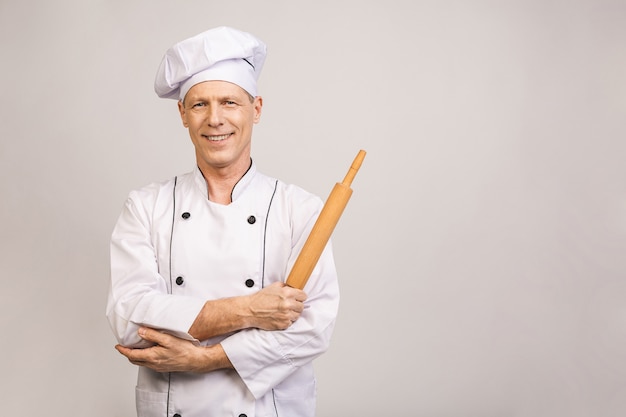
[178,415]
[249,282]
[186,215]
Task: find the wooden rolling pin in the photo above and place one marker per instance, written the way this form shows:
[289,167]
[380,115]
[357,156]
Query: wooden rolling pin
[323,227]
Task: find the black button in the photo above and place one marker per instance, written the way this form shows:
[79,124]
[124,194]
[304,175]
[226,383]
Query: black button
[249,283]
[176,415]
[185,216]
[180,280]
[251,219]
[240,415]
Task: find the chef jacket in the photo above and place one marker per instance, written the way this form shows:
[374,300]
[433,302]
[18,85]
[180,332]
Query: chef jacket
[172,249]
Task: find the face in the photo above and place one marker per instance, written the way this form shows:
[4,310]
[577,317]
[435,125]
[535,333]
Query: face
[219,116]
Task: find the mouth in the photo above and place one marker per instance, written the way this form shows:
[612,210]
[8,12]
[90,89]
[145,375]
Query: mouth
[217,138]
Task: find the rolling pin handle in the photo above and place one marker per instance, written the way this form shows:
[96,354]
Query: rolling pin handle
[356,164]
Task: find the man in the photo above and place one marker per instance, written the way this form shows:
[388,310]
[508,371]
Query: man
[198,263]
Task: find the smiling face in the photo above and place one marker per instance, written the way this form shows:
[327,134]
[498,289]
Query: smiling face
[219,116]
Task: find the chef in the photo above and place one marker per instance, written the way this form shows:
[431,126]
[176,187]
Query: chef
[198,262]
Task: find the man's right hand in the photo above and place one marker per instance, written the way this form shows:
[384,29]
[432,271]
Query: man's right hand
[276,307]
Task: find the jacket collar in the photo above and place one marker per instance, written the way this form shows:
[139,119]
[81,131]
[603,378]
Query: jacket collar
[237,190]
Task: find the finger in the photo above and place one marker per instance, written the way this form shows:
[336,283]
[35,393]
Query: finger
[152,335]
[134,356]
[123,350]
[296,294]
[293,319]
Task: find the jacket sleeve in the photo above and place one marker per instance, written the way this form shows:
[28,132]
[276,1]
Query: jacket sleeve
[263,359]
[139,295]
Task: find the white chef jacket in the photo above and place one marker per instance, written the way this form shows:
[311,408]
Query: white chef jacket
[172,249]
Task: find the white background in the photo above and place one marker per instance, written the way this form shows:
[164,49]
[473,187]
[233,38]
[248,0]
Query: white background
[482,257]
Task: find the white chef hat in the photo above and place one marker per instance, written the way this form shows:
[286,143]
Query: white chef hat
[223,54]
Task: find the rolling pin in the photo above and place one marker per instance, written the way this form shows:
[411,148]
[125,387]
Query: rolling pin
[323,227]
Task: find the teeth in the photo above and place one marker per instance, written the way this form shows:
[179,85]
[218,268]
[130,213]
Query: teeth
[217,138]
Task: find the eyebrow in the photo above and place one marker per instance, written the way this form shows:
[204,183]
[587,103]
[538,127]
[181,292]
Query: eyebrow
[228,97]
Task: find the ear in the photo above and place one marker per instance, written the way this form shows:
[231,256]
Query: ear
[183,114]
[257,104]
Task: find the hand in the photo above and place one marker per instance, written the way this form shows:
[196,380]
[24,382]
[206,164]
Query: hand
[276,306]
[172,354]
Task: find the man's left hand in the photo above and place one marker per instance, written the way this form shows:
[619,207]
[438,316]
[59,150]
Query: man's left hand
[172,354]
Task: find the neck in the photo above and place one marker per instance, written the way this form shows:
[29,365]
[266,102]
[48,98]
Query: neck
[220,182]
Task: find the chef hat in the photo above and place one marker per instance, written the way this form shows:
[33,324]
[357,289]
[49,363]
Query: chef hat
[223,54]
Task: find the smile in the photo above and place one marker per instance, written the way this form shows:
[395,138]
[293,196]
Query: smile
[217,138]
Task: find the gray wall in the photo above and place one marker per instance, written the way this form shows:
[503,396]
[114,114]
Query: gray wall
[482,256]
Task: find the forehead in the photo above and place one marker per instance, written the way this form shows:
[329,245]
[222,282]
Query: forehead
[215,89]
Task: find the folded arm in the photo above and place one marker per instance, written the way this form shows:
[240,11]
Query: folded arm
[275,307]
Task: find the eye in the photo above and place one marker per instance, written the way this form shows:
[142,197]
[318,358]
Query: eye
[198,105]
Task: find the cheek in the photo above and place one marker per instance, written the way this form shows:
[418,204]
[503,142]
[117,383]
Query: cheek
[192,123]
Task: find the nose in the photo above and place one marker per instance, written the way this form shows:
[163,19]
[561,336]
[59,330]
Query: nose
[214,116]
